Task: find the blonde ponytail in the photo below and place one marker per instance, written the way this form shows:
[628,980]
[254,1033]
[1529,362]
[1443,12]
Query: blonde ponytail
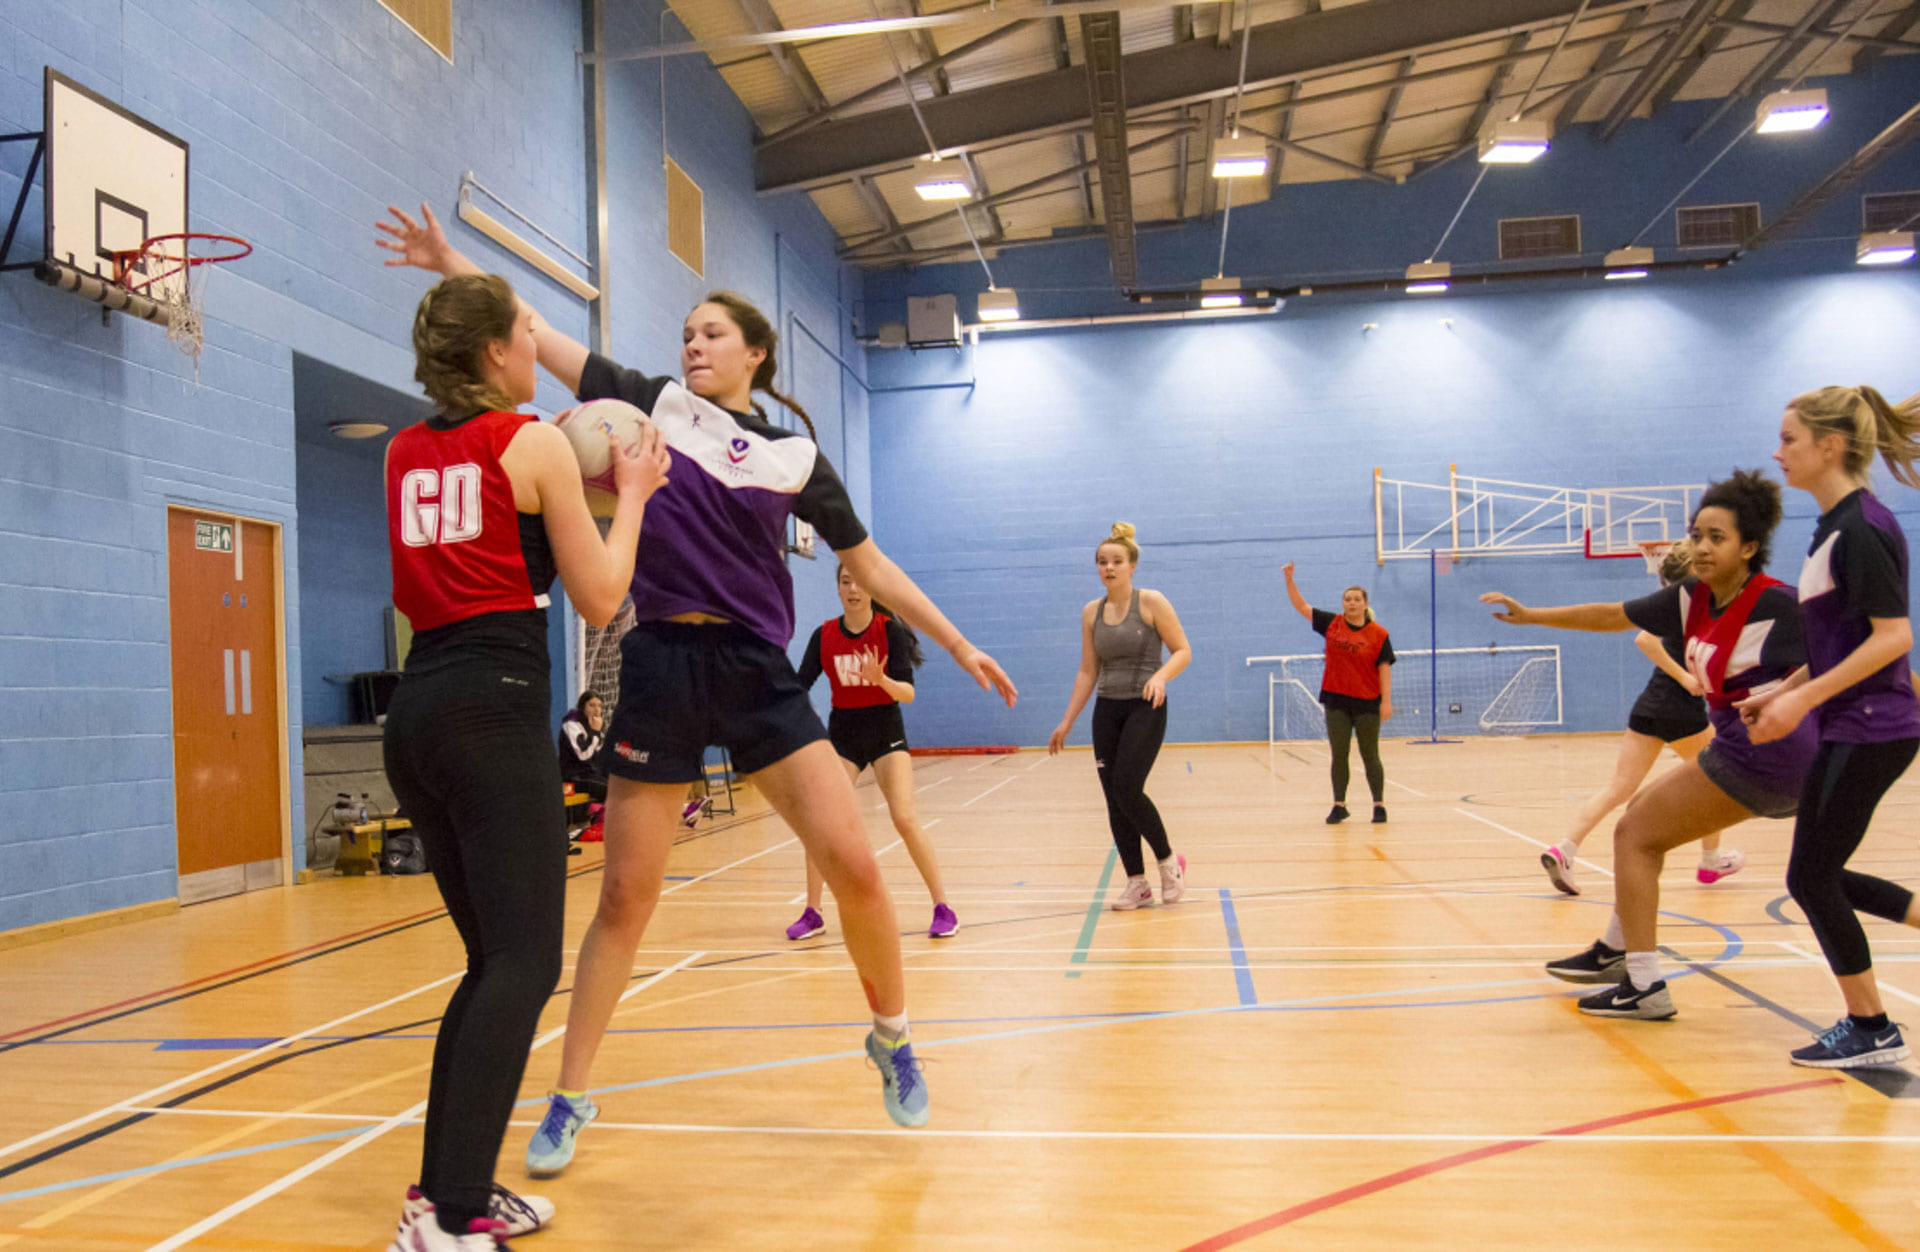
[1870,425]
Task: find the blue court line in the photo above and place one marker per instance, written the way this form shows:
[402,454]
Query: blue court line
[1242,972]
[165,1166]
[1093,913]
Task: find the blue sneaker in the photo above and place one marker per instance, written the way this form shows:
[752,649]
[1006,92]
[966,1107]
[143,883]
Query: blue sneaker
[902,1085]
[552,1147]
[1846,1046]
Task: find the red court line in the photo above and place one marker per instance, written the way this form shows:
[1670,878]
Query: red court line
[1333,1199]
[238,969]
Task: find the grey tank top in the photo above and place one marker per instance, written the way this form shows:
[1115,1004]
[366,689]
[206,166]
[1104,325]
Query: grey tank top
[1129,653]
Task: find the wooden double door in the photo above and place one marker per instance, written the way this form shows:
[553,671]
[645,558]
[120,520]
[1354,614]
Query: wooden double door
[229,720]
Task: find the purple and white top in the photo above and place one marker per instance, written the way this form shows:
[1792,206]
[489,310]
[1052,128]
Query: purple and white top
[1856,570]
[715,535]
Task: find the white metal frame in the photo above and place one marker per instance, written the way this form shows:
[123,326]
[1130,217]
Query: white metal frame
[1547,654]
[1494,517]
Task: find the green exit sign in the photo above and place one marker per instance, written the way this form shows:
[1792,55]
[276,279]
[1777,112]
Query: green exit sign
[213,536]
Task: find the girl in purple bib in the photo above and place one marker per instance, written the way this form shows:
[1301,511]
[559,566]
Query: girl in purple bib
[1853,599]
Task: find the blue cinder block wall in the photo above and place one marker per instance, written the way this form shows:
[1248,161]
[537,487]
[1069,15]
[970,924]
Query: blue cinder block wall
[305,120]
[1238,445]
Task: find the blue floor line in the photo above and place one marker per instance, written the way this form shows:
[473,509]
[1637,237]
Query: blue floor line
[1242,972]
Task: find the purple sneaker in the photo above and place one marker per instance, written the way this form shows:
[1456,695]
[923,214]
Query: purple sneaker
[809,925]
[944,922]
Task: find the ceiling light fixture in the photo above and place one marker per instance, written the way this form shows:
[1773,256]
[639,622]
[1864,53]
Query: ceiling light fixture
[1884,247]
[999,304]
[1628,262]
[1428,277]
[1221,293]
[1515,141]
[357,430]
[1236,156]
[1791,110]
[942,179]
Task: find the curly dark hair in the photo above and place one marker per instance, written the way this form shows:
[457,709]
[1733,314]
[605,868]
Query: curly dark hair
[1754,500]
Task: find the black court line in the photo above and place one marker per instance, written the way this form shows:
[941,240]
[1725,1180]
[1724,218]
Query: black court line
[1892,1081]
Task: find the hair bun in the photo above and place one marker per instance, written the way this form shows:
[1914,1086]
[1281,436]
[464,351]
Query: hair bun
[1121,530]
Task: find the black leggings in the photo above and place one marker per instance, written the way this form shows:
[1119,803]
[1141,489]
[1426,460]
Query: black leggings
[1843,785]
[1126,739]
[469,758]
[1342,728]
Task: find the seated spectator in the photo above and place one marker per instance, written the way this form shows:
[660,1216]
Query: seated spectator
[583,734]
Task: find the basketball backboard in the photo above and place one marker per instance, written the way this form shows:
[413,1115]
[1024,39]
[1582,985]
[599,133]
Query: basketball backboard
[114,179]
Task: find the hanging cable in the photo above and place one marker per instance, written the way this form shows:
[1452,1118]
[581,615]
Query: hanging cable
[1239,92]
[1457,212]
[933,149]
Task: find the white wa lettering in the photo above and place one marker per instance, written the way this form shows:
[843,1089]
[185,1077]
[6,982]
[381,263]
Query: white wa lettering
[1699,654]
[847,666]
[440,506]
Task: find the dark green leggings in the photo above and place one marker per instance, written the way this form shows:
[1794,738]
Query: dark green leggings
[1341,727]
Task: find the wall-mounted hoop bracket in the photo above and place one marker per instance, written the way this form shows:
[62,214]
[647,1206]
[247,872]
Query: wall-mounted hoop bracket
[39,138]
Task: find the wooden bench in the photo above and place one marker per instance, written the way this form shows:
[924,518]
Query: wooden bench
[349,861]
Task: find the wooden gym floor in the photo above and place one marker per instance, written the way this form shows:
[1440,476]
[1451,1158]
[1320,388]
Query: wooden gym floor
[1341,1038]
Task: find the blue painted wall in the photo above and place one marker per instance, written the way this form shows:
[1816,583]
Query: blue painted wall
[306,119]
[1236,446]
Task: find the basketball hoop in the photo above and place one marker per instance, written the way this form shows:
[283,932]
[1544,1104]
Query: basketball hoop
[172,271]
[1655,552]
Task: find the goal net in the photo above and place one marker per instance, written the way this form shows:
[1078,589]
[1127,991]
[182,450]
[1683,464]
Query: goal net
[599,654]
[1474,691]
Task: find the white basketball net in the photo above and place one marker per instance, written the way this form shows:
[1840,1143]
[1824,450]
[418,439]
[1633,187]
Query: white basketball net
[166,273]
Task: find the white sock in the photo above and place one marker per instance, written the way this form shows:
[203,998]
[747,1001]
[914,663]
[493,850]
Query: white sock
[1615,938]
[890,1029]
[1709,859]
[1568,848]
[1644,969]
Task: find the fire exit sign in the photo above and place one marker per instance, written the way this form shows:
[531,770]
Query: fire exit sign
[213,536]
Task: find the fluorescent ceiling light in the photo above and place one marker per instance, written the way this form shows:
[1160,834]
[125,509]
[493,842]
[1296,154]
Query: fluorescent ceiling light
[1239,156]
[1791,110]
[999,304]
[945,179]
[1515,142]
[1428,277]
[1885,247]
[1628,262]
[1221,293]
[357,430]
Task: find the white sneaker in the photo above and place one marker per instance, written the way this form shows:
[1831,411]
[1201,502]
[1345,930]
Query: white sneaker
[1559,868]
[520,1214]
[1173,878]
[420,1232]
[1722,864]
[1135,895]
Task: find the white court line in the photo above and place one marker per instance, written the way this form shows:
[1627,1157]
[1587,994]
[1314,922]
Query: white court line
[1908,996]
[1037,764]
[1529,839]
[351,1146]
[989,791]
[147,1097]
[729,865]
[992,760]
[944,778]
[1328,758]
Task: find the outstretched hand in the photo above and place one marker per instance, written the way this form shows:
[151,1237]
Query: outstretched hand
[424,247]
[987,672]
[1510,611]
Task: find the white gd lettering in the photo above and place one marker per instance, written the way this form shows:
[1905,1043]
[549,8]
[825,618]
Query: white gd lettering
[440,506]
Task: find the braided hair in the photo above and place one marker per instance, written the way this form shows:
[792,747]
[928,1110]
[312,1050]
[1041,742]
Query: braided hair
[455,322]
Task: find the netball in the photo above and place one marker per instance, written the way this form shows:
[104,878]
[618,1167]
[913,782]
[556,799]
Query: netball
[587,426]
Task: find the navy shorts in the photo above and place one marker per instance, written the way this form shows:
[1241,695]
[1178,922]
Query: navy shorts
[1750,793]
[685,686]
[1667,729]
[863,736]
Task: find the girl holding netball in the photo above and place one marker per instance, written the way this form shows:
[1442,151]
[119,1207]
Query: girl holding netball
[1743,637]
[1356,688]
[1121,637]
[1669,711]
[484,505]
[1853,600]
[706,664]
[869,657]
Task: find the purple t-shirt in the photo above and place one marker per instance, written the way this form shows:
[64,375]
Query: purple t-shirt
[1857,569]
[715,536]
[1760,652]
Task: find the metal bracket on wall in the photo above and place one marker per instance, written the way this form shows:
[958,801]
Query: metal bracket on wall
[504,235]
[39,138]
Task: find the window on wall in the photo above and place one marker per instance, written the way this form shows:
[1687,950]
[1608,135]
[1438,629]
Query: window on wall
[1717,225]
[1529,238]
[1892,210]
[686,220]
[432,20]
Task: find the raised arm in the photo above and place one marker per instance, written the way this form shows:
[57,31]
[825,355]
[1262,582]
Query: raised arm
[1083,681]
[888,583]
[1158,613]
[1293,593]
[425,246]
[1595,617]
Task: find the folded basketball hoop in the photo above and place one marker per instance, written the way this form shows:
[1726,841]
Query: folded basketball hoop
[172,271]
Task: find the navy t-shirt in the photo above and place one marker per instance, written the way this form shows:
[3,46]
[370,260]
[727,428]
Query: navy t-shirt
[1856,570]
[715,536]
